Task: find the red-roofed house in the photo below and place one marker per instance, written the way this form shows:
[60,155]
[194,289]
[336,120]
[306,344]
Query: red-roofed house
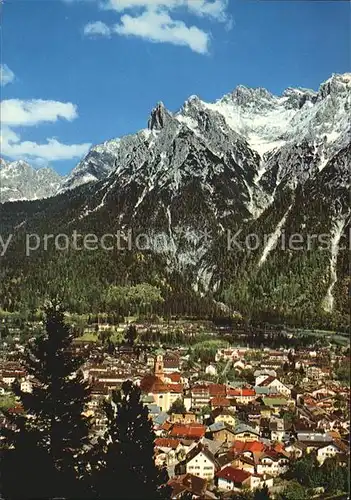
[173,378]
[188,483]
[167,443]
[171,362]
[166,450]
[166,426]
[231,478]
[248,447]
[200,396]
[9,377]
[16,409]
[241,395]
[191,431]
[217,390]
[220,402]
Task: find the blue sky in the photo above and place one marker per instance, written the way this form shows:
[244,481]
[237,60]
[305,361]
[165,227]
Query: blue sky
[77,73]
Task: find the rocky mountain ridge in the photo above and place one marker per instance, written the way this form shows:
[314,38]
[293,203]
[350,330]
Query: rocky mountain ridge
[262,121]
[20,181]
[265,166]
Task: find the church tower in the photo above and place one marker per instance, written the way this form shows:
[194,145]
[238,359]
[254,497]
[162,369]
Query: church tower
[159,366]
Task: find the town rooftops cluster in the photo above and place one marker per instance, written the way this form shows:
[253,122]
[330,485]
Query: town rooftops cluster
[223,435]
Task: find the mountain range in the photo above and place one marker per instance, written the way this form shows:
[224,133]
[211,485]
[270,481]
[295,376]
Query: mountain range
[252,163]
[21,181]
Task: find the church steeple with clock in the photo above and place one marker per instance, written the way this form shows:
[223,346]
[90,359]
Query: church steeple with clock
[159,368]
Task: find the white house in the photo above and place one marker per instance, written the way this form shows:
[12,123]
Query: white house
[226,353]
[201,462]
[234,479]
[211,370]
[295,450]
[273,466]
[230,478]
[329,451]
[241,364]
[276,385]
[261,375]
[26,385]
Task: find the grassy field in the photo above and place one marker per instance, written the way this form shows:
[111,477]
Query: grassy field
[116,337]
[328,335]
[194,326]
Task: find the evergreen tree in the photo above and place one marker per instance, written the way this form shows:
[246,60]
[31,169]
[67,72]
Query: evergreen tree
[131,334]
[44,444]
[334,477]
[177,407]
[294,491]
[306,471]
[242,495]
[262,493]
[127,466]
[105,337]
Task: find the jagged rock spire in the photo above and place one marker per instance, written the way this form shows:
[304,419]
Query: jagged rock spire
[158,117]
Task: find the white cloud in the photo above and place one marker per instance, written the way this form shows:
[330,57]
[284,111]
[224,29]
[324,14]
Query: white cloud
[6,75]
[159,27]
[211,8]
[16,113]
[97,28]
[51,150]
[122,5]
[216,9]
[155,21]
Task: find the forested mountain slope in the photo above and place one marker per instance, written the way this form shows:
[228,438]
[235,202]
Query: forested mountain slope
[262,167]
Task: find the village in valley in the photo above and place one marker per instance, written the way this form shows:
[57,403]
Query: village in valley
[229,416]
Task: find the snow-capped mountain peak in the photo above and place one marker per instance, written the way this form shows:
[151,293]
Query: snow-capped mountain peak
[336,84]
[20,181]
[253,125]
[267,121]
[275,139]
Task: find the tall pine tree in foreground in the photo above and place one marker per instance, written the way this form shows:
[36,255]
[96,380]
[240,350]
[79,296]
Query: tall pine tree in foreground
[128,468]
[44,448]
